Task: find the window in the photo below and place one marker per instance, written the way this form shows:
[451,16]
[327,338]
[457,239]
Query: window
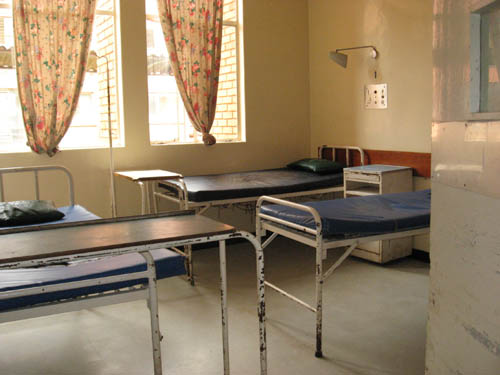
[89,127]
[168,120]
[485,58]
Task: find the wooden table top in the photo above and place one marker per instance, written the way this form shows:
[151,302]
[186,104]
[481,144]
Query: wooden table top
[103,234]
[148,175]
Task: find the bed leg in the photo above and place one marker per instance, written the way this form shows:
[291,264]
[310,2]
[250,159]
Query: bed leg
[153,310]
[188,263]
[319,299]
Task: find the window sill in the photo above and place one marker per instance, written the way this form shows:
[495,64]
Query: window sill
[27,151]
[193,143]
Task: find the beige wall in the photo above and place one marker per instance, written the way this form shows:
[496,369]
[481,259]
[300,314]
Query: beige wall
[401,31]
[277,110]
[296,98]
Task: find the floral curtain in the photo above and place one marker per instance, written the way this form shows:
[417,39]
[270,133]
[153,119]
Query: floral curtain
[193,33]
[52,41]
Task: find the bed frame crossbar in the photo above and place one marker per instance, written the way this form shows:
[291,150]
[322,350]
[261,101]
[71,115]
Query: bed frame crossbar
[347,153]
[36,170]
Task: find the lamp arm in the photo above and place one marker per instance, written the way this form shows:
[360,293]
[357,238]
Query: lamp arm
[347,49]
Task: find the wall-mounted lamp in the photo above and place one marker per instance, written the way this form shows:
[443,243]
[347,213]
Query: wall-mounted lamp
[341,58]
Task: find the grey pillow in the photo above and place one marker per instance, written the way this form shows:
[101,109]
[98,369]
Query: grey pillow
[28,212]
[319,166]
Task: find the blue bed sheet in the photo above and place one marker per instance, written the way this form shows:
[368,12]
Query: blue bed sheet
[168,263]
[362,216]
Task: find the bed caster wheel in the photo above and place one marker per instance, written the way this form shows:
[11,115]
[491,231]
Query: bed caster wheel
[318,354]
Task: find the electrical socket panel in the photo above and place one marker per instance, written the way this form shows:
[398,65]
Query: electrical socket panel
[376,96]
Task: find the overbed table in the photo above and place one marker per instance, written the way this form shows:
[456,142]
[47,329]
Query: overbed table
[146,179]
[109,237]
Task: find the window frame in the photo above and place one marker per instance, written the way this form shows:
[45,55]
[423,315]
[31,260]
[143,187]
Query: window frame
[121,138]
[240,97]
[476,13]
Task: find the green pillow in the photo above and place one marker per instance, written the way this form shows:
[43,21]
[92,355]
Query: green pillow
[28,212]
[319,166]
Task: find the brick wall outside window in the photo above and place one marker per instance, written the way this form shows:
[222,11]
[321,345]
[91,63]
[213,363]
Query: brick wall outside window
[105,32]
[225,125]
[167,119]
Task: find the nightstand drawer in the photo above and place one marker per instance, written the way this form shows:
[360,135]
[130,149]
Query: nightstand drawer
[362,177]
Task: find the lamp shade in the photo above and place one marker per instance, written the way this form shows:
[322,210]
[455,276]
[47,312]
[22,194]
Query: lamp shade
[339,58]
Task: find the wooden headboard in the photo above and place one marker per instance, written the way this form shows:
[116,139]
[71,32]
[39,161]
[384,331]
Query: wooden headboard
[419,161]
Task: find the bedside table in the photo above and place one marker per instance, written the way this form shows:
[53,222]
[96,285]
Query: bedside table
[379,179]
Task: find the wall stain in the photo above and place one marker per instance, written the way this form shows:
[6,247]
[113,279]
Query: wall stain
[484,340]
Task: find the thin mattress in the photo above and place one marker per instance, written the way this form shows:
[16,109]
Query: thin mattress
[168,263]
[362,216]
[254,183]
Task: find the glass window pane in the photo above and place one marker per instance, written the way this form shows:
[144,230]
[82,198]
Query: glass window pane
[490,58]
[89,125]
[12,134]
[230,10]
[168,120]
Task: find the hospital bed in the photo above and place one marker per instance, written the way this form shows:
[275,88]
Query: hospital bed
[206,191]
[72,213]
[203,192]
[70,265]
[340,223]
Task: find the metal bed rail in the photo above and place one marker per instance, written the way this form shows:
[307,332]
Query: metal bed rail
[347,155]
[36,171]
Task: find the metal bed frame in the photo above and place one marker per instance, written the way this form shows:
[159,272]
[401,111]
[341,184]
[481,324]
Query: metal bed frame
[315,239]
[146,291]
[36,171]
[182,199]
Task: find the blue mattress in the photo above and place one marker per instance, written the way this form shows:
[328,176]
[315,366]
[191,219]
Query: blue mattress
[71,214]
[254,183]
[75,213]
[168,263]
[362,216]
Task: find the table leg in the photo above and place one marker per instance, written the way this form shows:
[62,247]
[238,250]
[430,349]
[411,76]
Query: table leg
[188,249]
[261,290]
[153,310]
[223,282]
[261,306]
[319,299]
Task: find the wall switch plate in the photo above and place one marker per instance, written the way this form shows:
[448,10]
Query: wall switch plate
[376,96]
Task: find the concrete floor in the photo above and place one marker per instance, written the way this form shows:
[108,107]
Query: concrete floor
[374,323]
